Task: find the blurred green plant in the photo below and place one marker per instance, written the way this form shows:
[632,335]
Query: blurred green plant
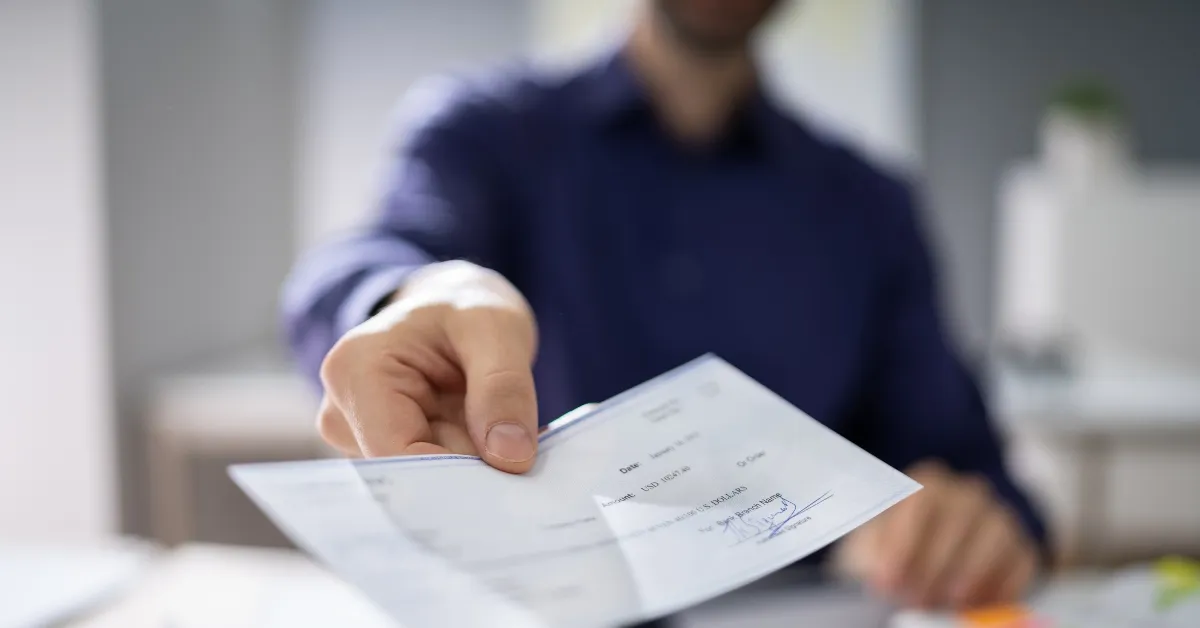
[1088,98]
[1178,580]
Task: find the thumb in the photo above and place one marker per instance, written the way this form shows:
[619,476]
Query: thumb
[500,405]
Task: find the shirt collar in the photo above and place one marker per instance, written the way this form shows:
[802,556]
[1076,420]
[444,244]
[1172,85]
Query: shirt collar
[616,95]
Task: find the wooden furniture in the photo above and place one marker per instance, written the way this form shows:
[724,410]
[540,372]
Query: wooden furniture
[253,407]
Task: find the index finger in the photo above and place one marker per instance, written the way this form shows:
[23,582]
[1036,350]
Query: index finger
[391,424]
[383,420]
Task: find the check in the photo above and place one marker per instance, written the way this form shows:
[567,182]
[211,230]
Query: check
[688,486]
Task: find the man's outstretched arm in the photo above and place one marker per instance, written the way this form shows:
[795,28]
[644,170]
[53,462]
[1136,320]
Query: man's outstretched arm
[443,200]
[417,349]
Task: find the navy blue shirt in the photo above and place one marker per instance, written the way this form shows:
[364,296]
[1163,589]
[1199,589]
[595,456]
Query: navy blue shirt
[782,252]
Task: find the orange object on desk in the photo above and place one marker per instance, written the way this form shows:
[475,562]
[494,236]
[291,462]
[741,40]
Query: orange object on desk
[1001,617]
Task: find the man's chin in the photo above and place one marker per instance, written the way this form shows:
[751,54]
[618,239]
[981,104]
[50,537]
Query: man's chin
[715,29]
[710,42]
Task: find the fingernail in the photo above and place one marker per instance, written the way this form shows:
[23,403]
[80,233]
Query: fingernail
[509,441]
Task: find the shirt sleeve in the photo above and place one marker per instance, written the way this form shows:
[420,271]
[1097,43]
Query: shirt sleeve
[442,200]
[921,402]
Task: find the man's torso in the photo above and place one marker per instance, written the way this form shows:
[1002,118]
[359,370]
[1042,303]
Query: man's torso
[638,253]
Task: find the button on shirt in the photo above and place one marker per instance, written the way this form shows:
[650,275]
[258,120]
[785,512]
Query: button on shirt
[780,251]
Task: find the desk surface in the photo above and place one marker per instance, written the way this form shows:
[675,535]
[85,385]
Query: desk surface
[205,585]
[47,584]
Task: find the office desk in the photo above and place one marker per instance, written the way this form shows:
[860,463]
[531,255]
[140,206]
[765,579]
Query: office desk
[47,584]
[789,599]
[208,586]
[249,407]
[205,586]
[202,586]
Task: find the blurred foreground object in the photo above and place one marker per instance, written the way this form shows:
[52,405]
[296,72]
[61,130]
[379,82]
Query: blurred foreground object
[1001,617]
[45,585]
[1130,598]
[1179,580]
[202,586]
[128,584]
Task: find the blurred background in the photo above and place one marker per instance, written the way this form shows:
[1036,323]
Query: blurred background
[163,161]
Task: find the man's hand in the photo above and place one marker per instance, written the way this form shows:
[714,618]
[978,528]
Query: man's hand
[952,544]
[443,368]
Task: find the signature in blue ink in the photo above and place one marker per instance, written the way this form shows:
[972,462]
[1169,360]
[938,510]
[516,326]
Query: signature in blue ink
[787,511]
[743,527]
[770,520]
[740,528]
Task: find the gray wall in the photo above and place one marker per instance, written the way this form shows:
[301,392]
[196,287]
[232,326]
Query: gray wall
[198,136]
[985,69]
[357,61]
[227,124]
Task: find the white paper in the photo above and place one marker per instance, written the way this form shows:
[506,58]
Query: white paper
[44,585]
[681,489]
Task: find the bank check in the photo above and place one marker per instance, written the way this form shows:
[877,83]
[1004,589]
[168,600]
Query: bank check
[688,486]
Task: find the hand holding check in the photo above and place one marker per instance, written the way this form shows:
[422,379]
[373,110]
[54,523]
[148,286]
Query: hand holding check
[729,480]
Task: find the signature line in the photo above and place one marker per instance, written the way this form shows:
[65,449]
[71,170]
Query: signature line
[813,504]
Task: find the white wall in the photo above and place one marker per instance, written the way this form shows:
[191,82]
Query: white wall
[850,66]
[356,60]
[56,449]
[567,31]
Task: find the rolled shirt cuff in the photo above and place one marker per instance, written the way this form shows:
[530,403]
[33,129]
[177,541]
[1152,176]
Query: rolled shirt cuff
[367,296]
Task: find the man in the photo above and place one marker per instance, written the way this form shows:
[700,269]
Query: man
[649,209]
